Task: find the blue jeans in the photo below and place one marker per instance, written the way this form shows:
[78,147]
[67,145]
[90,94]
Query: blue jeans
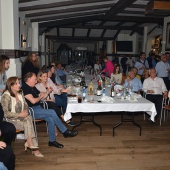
[61,100]
[51,118]
[2,166]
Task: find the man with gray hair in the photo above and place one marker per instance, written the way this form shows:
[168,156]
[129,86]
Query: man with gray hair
[163,69]
[155,90]
[135,82]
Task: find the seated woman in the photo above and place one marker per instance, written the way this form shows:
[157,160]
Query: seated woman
[16,111]
[43,85]
[60,93]
[116,76]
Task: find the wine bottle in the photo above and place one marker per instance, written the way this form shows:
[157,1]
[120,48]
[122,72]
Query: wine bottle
[112,90]
[99,88]
[91,88]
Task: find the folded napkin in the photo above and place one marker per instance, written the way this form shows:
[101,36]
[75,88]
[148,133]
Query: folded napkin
[137,95]
[107,99]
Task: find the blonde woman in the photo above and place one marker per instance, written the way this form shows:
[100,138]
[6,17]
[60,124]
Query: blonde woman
[16,111]
[44,86]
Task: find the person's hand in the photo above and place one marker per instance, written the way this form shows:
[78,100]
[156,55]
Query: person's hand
[2,145]
[150,91]
[24,113]
[66,90]
[143,67]
[50,89]
[42,94]
[165,95]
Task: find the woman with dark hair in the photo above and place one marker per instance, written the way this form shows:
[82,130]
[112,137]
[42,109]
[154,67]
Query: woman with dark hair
[16,111]
[4,65]
[31,64]
[116,76]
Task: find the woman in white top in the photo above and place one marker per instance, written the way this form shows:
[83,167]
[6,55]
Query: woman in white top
[116,76]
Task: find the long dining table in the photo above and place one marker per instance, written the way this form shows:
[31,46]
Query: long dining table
[117,104]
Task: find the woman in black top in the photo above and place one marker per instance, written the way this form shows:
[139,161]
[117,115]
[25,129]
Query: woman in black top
[31,64]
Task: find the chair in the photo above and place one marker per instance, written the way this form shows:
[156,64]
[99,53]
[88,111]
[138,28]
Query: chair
[165,109]
[18,131]
[31,111]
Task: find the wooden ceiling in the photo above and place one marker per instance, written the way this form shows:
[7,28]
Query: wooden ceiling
[91,20]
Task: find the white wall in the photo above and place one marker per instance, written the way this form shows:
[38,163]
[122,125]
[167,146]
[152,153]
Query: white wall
[166,21]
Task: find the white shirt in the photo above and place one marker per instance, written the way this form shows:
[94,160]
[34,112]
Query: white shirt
[157,85]
[161,69]
[97,67]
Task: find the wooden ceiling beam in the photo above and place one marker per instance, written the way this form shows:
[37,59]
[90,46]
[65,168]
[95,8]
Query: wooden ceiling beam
[104,31]
[52,24]
[24,1]
[134,29]
[68,16]
[57,4]
[145,19]
[137,6]
[77,9]
[73,32]
[118,8]
[115,36]
[52,37]
[100,27]
[157,5]
[88,32]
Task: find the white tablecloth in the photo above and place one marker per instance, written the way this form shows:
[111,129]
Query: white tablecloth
[141,104]
[117,105]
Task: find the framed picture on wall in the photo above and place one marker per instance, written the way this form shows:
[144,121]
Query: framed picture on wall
[167,46]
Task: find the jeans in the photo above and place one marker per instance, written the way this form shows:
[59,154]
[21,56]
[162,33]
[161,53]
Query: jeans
[2,166]
[51,118]
[61,100]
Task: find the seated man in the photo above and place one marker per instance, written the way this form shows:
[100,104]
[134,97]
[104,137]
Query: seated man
[33,98]
[61,72]
[154,88]
[135,82]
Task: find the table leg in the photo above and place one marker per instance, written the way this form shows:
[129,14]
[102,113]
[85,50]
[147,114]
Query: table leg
[82,119]
[127,120]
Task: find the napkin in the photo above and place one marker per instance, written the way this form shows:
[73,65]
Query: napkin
[107,99]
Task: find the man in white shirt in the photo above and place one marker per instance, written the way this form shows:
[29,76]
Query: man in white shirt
[142,63]
[163,69]
[154,87]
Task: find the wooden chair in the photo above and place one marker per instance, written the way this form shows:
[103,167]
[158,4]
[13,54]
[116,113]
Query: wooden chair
[165,110]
